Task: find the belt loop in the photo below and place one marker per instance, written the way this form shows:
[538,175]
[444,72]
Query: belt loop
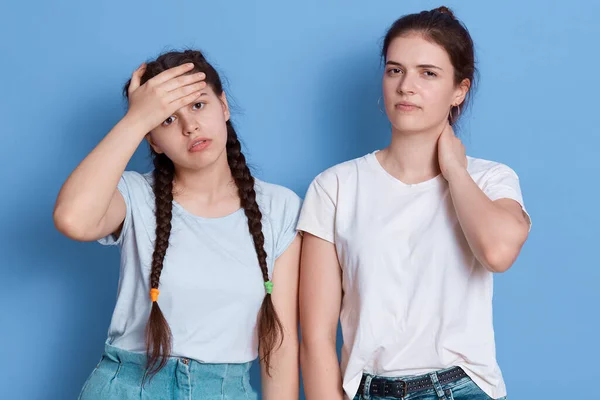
[366,394]
[436,385]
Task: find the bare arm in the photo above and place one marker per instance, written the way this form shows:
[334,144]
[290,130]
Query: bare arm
[284,382]
[495,230]
[320,303]
[89,206]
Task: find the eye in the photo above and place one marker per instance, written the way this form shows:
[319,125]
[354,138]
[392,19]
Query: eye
[198,106]
[168,121]
[430,74]
[394,71]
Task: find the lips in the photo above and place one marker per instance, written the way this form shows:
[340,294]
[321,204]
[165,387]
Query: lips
[406,106]
[199,144]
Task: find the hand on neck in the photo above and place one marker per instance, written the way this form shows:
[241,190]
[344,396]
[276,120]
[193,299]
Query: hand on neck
[412,157]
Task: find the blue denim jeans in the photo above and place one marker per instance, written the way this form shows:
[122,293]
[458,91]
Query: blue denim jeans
[122,374]
[462,389]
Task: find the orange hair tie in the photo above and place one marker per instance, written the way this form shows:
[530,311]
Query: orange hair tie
[154,294]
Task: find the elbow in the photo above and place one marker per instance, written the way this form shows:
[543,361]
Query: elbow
[307,354]
[500,258]
[311,347]
[69,225]
[497,268]
[289,346]
[305,348]
[500,255]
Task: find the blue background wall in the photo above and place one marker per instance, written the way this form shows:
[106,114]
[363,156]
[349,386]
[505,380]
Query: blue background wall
[306,79]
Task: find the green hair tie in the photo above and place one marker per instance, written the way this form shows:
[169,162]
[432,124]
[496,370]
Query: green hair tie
[269,287]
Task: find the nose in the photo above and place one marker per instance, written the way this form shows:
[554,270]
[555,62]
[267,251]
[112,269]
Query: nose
[189,125]
[406,84]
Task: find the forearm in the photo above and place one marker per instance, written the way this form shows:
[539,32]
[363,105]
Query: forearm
[284,380]
[494,234]
[87,193]
[320,371]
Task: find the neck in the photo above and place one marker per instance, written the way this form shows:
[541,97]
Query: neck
[206,185]
[412,157]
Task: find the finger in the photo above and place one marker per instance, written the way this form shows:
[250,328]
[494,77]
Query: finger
[172,73]
[448,131]
[451,131]
[184,91]
[183,80]
[136,78]
[185,100]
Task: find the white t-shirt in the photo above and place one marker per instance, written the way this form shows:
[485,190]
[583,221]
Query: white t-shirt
[415,298]
[211,286]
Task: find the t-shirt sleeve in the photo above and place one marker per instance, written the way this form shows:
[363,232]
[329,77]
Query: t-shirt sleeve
[126,187]
[503,183]
[318,211]
[286,223]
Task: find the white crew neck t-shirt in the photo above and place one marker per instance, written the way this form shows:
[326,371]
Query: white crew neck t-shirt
[415,298]
[211,286]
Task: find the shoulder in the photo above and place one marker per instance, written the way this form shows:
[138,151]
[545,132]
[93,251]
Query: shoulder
[481,168]
[333,176]
[276,199]
[138,180]
[136,188]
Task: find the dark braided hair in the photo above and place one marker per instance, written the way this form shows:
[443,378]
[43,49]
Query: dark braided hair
[269,325]
[158,333]
[441,27]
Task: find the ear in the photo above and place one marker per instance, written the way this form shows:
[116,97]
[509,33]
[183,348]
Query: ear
[153,144]
[225,105]
[461,92]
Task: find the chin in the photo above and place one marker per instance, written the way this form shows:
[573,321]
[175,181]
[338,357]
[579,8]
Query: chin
[207,158]
[202,162]
[414,125]
[408,125]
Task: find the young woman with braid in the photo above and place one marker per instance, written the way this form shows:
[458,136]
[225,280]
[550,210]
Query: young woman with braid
[218,245]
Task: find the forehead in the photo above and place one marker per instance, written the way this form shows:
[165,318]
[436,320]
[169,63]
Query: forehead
[414,49]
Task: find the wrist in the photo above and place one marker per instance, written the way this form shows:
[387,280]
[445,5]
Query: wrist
[456,173]
[133,125]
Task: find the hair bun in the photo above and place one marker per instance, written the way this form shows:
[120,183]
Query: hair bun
[445,10]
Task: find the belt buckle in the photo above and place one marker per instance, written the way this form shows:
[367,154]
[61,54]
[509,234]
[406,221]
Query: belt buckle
[381,391]
[404,392]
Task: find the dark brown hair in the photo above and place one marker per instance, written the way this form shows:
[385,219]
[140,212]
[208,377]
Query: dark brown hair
[441,27]
[158,333]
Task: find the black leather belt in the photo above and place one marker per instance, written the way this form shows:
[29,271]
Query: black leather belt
[398,388]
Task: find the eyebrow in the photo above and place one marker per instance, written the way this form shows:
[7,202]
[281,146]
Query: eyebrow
[428,66]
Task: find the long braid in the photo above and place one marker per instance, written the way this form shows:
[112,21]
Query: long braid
[270,330]
[158,333]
